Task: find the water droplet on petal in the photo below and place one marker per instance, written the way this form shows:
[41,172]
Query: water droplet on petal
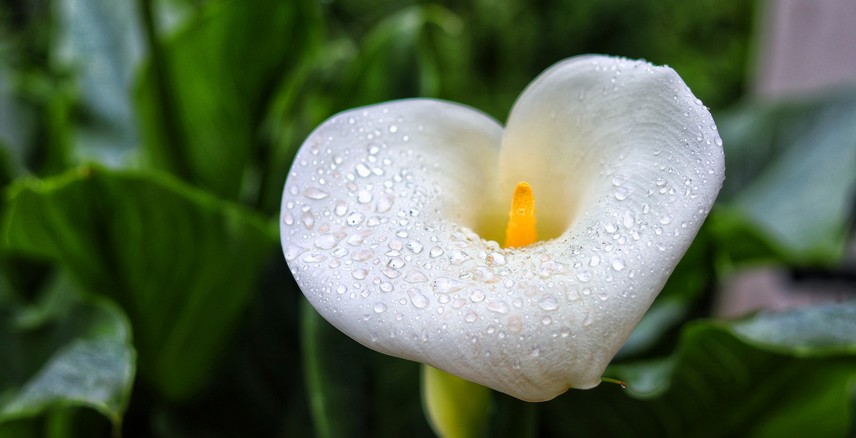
[623,192]
[384,204]
[550,268]
[498,306]
[419,301]
[308,220]
[471,317]
[415,277]
[379,307]
[363,171]
[629,220]
[495,259]
[292,252]
[326,241]
[444,285]
[314,193]
[364,197]
[457,258]
[355,219]
[341,208]
[484,275]
[584,275]
[548,303]
[396,263]
[414,246]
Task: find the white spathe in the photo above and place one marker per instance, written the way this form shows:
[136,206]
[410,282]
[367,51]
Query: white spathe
[389,210]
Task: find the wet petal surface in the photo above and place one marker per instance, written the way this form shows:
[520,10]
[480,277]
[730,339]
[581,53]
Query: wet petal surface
[390,215]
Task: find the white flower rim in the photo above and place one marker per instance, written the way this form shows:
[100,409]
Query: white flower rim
[382,207]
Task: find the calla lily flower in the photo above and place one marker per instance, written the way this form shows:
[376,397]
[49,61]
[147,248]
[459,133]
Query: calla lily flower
[395,216]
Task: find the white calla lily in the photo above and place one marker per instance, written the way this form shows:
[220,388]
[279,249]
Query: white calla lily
[392,214]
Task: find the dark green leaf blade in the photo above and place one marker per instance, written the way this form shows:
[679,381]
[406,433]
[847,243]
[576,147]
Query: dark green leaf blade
[201,97]
[790,178]
[181,263]
[770,374]
[354,391]
[67,350]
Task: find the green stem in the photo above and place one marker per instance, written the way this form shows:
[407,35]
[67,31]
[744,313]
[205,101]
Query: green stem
[456,408]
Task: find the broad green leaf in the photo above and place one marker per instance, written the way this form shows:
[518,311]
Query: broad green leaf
[66,350]
[202,95]
[828,330]
[34,120]
[261,381]
[786,374]
[181,263]
[100,41]
[354,391]
[404,54]
[790,177]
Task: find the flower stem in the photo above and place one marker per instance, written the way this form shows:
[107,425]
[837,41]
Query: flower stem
[456,408]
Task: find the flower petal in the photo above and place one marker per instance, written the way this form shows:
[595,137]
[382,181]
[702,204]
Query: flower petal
[380,208]
[632,163]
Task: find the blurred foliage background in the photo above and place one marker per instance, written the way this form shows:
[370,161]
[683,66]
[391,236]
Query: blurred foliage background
[144,144]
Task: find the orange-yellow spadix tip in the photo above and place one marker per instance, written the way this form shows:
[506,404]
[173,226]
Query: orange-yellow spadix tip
[521,218]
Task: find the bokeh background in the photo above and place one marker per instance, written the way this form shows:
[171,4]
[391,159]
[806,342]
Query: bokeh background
[143,148]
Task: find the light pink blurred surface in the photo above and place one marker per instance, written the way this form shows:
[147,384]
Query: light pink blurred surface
[804,47]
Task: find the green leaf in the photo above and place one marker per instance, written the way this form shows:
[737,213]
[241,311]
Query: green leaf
[403,55]
[35,127]
[201,97]
[100,41]
[67,350]
[790,178]
[261,381]
[780,374]
[181,263]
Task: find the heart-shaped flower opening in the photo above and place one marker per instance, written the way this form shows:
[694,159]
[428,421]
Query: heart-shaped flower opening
[394,215]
